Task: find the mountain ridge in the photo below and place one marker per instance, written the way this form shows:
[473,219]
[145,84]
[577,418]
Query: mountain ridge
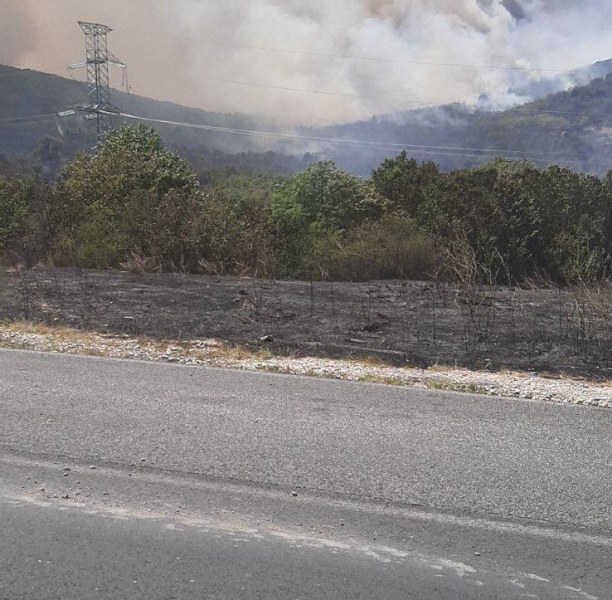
[572,128]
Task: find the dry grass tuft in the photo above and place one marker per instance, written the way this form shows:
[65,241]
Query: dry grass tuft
[139,264]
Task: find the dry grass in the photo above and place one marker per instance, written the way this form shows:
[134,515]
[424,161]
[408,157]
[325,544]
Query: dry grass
[385,380]
[452,386]
[136,263]
[212,351]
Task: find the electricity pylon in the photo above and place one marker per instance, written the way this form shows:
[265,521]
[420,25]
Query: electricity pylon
[100,108]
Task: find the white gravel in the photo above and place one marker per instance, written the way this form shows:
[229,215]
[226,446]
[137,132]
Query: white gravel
[214,353]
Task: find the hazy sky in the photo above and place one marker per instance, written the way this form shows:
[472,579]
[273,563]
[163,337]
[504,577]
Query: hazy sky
[181,50]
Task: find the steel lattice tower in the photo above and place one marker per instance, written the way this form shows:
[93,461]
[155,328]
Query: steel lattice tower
[97,60]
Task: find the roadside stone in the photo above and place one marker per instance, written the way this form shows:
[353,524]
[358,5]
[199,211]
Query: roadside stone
[528,385]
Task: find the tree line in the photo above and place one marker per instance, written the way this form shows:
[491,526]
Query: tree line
[134,204]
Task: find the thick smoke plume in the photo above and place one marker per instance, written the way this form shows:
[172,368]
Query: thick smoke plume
[189,51]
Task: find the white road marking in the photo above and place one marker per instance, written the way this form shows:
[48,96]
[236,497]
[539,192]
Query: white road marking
[408,513]
[385,554]
[535,577]
[580,593]
[460,568]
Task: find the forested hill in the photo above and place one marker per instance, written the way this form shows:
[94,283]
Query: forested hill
[575,124]
[571,128]
[25,95]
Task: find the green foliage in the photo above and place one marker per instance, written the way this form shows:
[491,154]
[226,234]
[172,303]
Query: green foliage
[24,205]
[402,181]
[135,201]
[132,196]
[522,221]
[323,193]
[318,202]
[463,204]
[237,226]
[392,247]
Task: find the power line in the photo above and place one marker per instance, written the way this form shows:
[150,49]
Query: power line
[404,61]
[26,118]
[450,151]
[209,41]
[320,92]
[299,90]
[29,122]
[427,103]
[433,150]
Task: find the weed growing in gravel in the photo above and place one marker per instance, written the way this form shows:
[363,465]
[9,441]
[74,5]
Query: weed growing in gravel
[374,378]
[450,386]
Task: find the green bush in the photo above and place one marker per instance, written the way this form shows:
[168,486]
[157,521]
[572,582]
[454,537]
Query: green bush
[134,201]
[24,227]
[390,248]
[237,226]
[311,206]
[132,197]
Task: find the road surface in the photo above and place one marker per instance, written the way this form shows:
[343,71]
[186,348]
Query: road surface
[141,480]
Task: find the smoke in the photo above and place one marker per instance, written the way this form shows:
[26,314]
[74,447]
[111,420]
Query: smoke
[15,32]
[189,51]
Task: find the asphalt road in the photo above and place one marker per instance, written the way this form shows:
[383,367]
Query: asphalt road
[266,486]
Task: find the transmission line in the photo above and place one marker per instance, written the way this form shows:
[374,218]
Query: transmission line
[377,59]
[426,103]
[433,150]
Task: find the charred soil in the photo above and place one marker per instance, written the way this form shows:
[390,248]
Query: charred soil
[397,322]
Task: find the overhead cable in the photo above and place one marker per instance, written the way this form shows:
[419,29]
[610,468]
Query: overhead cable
[434,150]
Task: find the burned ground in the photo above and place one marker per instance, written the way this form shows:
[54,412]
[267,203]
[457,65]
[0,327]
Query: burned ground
[399,322]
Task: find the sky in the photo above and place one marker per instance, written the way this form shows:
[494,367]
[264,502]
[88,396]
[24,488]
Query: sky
[362,57]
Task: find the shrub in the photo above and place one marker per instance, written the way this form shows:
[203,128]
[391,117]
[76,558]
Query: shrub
[390,248]
[132,196]
[24,227]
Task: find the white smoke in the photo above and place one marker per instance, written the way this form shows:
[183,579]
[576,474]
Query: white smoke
[188,50]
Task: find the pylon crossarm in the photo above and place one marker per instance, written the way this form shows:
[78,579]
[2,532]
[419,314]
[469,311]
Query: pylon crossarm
[97,60]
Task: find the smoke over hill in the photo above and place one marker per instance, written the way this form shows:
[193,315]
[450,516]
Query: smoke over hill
[189,51]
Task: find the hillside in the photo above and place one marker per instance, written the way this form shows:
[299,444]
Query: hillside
[571,128]
[26,95]
[551,85]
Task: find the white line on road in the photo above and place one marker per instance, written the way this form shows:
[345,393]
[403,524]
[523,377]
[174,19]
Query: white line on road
[195,482]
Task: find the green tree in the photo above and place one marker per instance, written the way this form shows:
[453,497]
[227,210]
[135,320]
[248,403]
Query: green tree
[519,220]
[24,206]
[238,226]
[132,196]
[402,182]
[314,204]
[462,206]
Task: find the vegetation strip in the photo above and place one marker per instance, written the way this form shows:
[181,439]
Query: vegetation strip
[138,205]
[210,352]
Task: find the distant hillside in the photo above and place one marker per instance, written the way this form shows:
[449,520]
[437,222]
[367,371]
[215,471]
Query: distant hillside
[559,83]
[571,128]
[26,94]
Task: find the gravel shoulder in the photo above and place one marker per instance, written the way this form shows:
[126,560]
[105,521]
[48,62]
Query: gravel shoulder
[212,352]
